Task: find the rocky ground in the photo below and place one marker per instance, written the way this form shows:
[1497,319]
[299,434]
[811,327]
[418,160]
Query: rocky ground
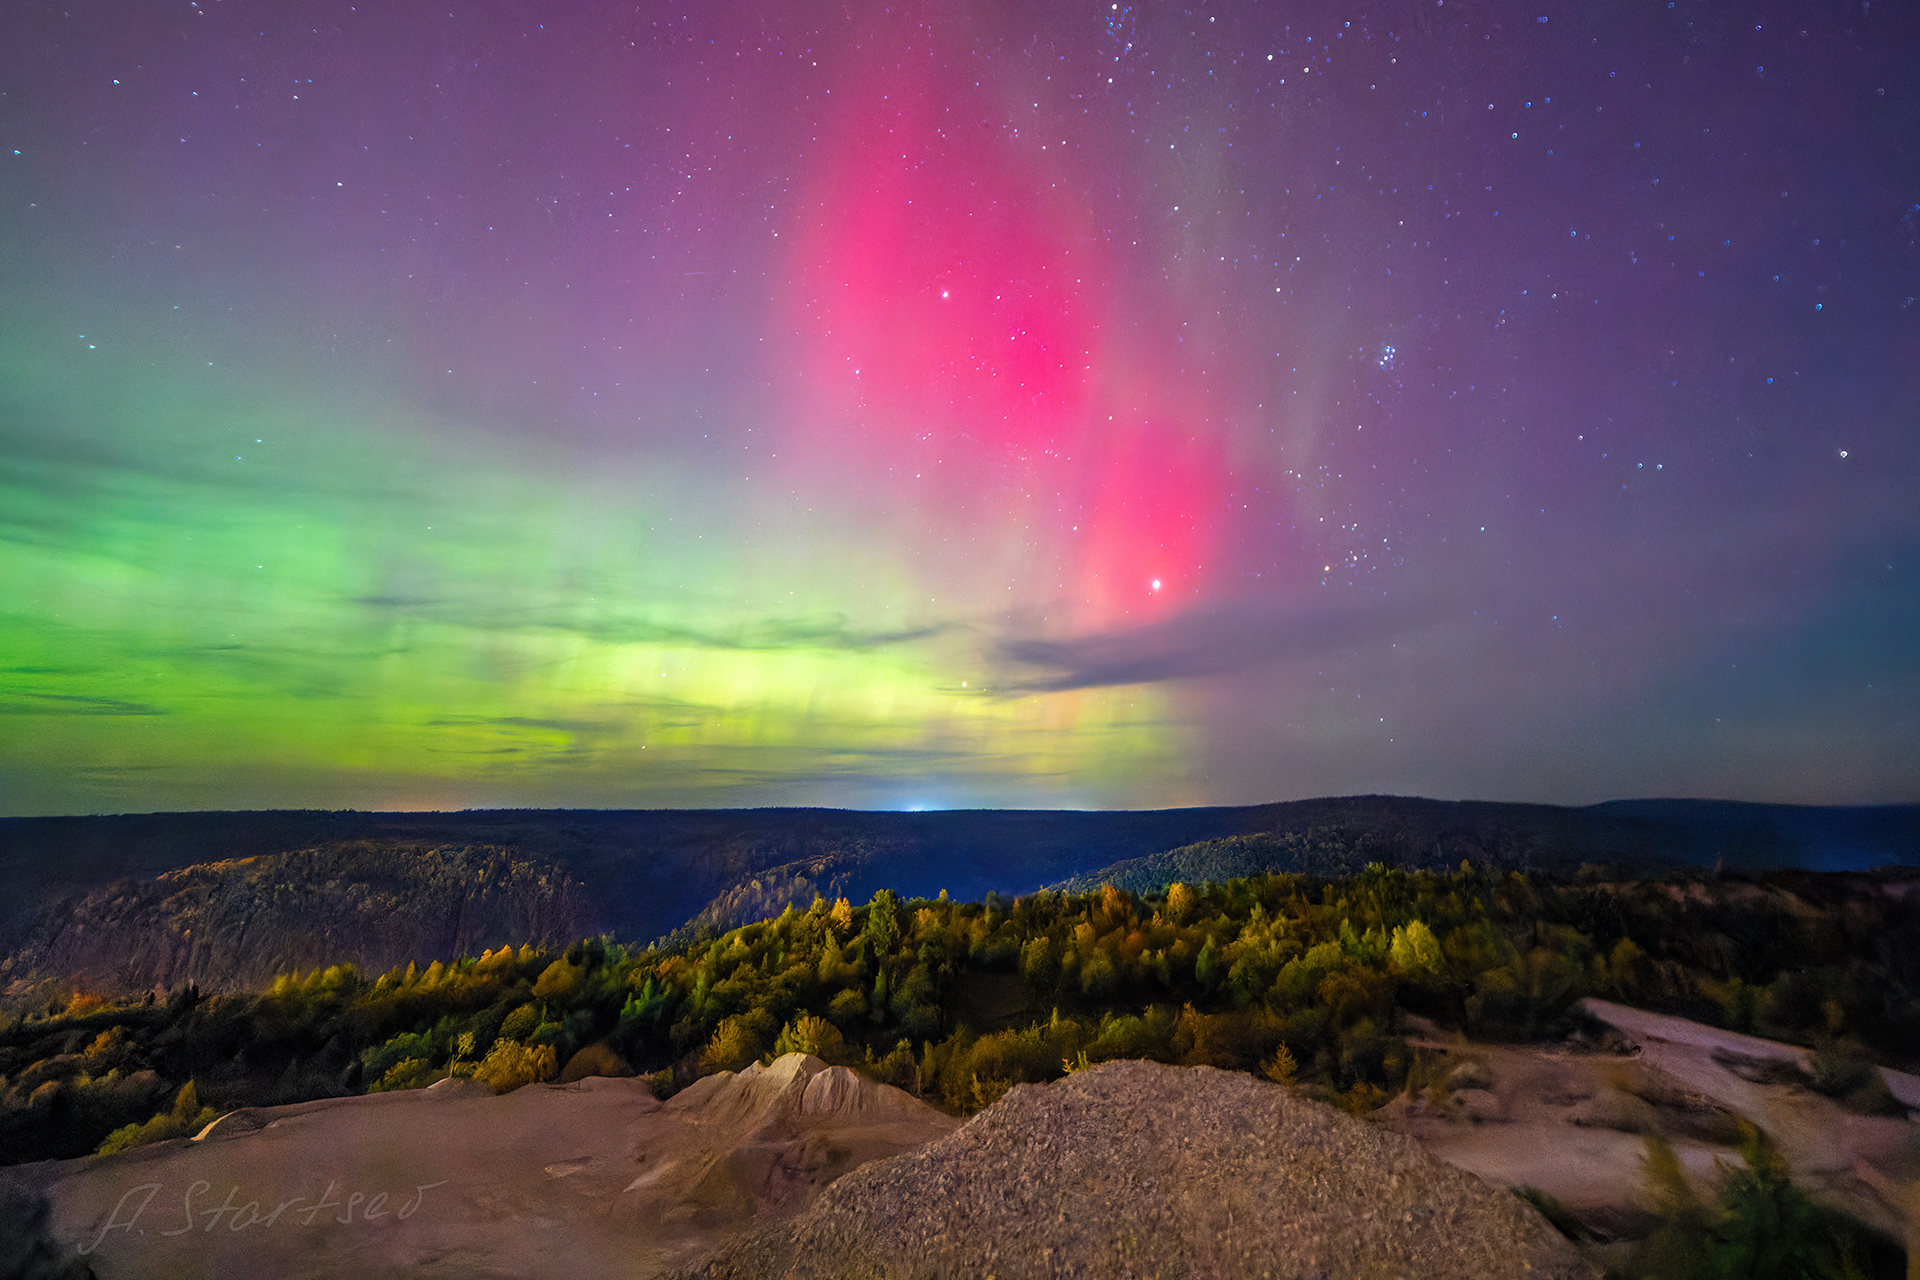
[1137,1169]
[1125,1169]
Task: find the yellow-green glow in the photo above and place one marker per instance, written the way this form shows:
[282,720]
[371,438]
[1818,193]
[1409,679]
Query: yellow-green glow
[334,611]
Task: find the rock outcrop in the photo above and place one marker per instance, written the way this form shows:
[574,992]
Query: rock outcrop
[240,923]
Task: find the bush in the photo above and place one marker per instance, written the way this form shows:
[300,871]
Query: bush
[1855,1083]
[409,1073]
[381,1062]
[847,1006]
[1123,1036]
[733,1046]
[510,1064]
[898,1068]
[599,1059]
[520,1024]
[1762,1228]
[810,1034]
[1280,1067]
[186,1118]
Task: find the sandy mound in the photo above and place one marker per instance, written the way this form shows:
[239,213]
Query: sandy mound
[596,1178]
[763,1142]
[1140,1169]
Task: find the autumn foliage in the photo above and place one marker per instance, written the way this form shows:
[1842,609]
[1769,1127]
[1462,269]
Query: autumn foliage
[1303,979]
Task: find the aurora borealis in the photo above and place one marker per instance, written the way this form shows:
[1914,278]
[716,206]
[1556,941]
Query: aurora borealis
[918,404]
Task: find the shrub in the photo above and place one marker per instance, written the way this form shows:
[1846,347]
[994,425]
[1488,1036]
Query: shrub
[409,1073]
[520,1024]
[1123,1036]
[510,1064]
[1280,1067]
[733,1046]
[598,1059]
[186,1118]
[847,1005]
[898,1068]
[558,980]
[810,1034]
[1762,1228]
[1417,951]
[1855,1083]
[382,1061]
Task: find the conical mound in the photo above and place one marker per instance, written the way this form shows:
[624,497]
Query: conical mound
[1139,1169]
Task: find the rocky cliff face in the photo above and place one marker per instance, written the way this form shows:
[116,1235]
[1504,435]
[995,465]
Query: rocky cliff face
[236,924]
[767,893]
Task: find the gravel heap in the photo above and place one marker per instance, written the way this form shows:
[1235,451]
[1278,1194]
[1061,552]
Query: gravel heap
[1136,1169]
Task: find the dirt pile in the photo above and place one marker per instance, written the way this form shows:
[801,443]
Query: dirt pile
[1136,1169]
[764,1142]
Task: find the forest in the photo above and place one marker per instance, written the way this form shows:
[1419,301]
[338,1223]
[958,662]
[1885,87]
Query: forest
[1306,980]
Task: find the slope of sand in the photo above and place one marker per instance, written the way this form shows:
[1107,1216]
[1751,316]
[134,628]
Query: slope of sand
[594,1179]
[1572,1121]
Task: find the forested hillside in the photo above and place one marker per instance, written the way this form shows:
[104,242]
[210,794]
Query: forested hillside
[644,874]
[1301,978]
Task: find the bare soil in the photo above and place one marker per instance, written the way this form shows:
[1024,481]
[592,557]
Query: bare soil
[1572,1120]
[596,1178]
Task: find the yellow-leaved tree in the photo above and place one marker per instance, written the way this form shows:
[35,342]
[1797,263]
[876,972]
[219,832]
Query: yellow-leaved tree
[733,1046]
[809,1033]
[187,1118]
[1417,951]
[510,1064]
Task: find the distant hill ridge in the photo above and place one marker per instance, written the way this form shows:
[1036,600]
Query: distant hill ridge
[239,923]
[85,893]
[1635,835]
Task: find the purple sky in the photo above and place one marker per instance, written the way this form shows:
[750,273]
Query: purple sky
[957,405]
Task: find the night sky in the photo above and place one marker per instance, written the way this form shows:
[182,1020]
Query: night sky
[957,405]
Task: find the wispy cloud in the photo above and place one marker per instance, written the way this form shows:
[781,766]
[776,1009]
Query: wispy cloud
[770,634]
[1201,642]
[831,631]
[15,702]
